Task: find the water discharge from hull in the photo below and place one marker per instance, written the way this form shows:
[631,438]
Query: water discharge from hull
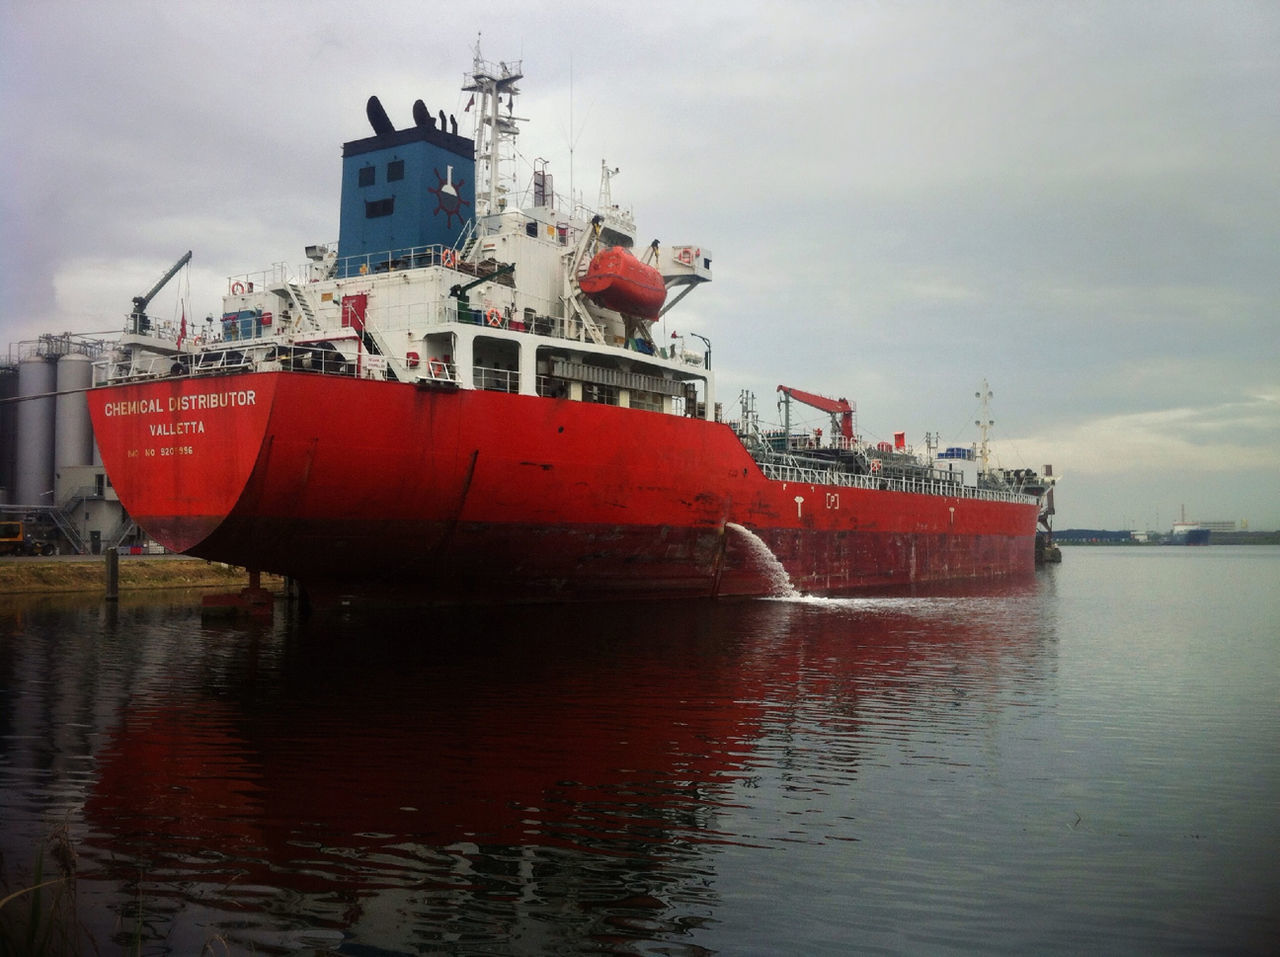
[756,548]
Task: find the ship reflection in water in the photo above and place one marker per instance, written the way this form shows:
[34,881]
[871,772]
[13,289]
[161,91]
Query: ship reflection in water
[547,776]
[675,778]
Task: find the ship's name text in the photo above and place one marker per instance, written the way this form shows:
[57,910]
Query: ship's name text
[183,403]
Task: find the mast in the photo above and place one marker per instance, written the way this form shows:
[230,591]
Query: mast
[496,128]
[931,444]
[984,423]
[606,188]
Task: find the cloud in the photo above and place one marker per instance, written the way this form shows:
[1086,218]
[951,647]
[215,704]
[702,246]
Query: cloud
[1077,201]
[1197,441]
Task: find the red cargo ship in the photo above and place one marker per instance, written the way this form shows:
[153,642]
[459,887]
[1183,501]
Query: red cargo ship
[460,407]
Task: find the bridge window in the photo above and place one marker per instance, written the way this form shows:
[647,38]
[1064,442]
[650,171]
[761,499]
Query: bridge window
[368,175]
[651,401]
[603,394]
[379,207]
[395,170]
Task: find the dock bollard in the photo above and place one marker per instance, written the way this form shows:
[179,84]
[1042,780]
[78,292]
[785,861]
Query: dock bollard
[113,573]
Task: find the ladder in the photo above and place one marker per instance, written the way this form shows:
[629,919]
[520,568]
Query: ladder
[68,530]
[122,531]
[301,300]
[588,323]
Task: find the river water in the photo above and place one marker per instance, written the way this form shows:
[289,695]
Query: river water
[1088,761]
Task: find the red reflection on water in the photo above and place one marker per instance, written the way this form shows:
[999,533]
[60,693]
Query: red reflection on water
[345,758]
[458,742]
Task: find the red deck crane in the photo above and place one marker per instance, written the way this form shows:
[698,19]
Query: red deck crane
[837,407]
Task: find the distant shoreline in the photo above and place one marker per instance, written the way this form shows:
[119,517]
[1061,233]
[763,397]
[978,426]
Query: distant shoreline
[87,573]
[1073,536]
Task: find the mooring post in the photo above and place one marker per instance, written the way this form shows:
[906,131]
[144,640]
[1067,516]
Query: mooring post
[113,573]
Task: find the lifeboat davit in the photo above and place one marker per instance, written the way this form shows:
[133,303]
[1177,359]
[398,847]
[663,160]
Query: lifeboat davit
[617,280]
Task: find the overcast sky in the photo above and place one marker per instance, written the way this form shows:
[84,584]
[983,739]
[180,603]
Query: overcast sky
[1078,201]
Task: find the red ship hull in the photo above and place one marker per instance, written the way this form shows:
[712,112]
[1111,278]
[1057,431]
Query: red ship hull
[352,485]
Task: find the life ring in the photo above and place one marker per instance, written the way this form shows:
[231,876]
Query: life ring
[237,288]
[449,258]
[437,368]
[493,318]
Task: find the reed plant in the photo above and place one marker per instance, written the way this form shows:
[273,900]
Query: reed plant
[39,919]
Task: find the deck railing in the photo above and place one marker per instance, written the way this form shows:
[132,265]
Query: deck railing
[783,472]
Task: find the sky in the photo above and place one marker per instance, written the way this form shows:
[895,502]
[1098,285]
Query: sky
[1077,202]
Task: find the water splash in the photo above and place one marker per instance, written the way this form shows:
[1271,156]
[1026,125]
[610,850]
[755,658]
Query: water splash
[780,585]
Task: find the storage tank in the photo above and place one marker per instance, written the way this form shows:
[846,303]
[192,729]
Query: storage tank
[72,430]
[8,431]
[34,466]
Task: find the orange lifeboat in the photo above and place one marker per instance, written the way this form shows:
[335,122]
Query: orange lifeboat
[617,280]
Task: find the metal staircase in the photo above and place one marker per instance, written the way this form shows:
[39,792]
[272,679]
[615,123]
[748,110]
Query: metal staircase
[467,241]
[588,323]
[60,518]
[299,298]
[122,531]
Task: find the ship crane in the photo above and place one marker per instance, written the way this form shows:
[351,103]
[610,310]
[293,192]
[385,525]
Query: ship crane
[139,324]
[841,408]
[459,291]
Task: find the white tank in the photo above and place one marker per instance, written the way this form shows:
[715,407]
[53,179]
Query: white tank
[33,469]
[72,430]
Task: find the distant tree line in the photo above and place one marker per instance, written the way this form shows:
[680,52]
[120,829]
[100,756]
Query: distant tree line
[1081,536]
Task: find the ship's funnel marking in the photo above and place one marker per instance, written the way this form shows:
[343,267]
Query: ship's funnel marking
[403,190]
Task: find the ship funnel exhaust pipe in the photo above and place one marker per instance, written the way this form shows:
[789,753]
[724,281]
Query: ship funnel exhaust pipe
[378,118]
[422,116]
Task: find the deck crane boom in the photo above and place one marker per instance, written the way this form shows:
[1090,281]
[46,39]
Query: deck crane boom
[138,321]
[837,407]
[459,291]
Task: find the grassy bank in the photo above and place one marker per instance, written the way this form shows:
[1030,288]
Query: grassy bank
[48,576]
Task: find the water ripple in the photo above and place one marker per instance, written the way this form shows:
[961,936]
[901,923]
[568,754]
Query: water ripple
[998,769]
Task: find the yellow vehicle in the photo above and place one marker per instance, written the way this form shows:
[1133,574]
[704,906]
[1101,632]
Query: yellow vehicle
[16,539]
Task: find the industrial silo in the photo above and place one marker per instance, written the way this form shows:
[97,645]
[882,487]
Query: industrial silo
[73,432]
[8,430]
[33,478]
